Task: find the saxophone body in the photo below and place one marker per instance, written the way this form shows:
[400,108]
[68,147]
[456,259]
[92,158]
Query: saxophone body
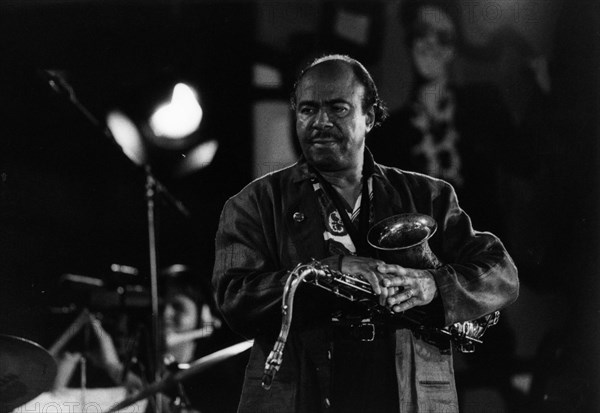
[401,239]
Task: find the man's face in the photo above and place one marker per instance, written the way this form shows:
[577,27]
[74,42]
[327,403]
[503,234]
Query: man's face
[433,45]
[180,314]
[330,122]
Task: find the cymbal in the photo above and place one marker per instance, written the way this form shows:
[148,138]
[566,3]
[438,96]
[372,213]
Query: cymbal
[187,371]
[26,370]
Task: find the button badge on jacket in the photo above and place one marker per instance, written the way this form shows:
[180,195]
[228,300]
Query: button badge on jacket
[298,216]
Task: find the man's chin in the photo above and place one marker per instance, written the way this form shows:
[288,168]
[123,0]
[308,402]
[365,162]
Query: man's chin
[324,161]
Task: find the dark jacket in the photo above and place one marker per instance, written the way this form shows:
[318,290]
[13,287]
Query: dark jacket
[261,237]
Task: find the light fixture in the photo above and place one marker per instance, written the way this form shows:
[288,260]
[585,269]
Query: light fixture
[178,118]
[160,126]
[127,136]
[197,158]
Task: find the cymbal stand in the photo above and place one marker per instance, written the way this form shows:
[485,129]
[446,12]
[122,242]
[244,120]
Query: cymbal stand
[181,401]
[83,380]
[131,356]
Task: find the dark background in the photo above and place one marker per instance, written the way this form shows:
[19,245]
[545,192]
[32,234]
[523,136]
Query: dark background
[72,203]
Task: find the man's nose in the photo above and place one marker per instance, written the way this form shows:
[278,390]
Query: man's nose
[429,37]
[322,120]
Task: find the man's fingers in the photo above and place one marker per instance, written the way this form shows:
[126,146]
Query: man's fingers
[395,282]
[383,296]
[391,269]
[378,288]
[401,297]
[407,305]
[372,278]
[403,301]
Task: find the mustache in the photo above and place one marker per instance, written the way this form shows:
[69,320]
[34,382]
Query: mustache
[320,135]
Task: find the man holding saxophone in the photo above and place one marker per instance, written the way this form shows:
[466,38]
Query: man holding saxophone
[345,356]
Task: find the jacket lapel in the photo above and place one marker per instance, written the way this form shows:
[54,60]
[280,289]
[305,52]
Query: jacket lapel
[386,199]
[305,223]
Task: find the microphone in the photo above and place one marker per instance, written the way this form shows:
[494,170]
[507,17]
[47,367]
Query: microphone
[58,83]
[61,87]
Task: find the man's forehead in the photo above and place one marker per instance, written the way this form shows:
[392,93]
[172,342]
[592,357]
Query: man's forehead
[333,81]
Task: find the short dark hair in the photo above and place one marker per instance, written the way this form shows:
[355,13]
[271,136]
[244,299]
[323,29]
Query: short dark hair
[409,9]
[371,97]
[182,279]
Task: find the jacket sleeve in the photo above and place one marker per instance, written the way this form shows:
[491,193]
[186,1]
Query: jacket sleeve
[247,283]
[479,276]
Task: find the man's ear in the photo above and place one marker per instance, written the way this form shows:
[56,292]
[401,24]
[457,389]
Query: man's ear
[370,118]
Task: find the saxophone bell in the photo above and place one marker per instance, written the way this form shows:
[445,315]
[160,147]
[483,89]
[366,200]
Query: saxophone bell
[402,239]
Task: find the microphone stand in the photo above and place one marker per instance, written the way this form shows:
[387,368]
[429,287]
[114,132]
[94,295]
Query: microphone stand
[151,191]
[153,187]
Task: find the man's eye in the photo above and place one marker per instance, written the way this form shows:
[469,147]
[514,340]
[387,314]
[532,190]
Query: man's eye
[307,111]
[340,110]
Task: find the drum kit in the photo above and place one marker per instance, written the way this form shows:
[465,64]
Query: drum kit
[185,371]
[27,370]
[32,376]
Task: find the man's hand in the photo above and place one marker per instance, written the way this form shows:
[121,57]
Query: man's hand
[407,287]
[368,269]
[108,356]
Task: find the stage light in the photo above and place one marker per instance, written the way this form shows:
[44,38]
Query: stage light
[127,136]
[178,118]
[158,125]
[197,158]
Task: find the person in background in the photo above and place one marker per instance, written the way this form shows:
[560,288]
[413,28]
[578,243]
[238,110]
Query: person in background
[459,133]
[464,134]
[340,356]
[188,323]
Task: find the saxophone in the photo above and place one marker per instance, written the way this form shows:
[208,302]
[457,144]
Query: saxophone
[401,239]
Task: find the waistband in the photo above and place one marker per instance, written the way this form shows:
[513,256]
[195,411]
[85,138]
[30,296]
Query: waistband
[360,330]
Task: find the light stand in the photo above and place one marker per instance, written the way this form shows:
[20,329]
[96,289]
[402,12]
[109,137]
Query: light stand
[153,189]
